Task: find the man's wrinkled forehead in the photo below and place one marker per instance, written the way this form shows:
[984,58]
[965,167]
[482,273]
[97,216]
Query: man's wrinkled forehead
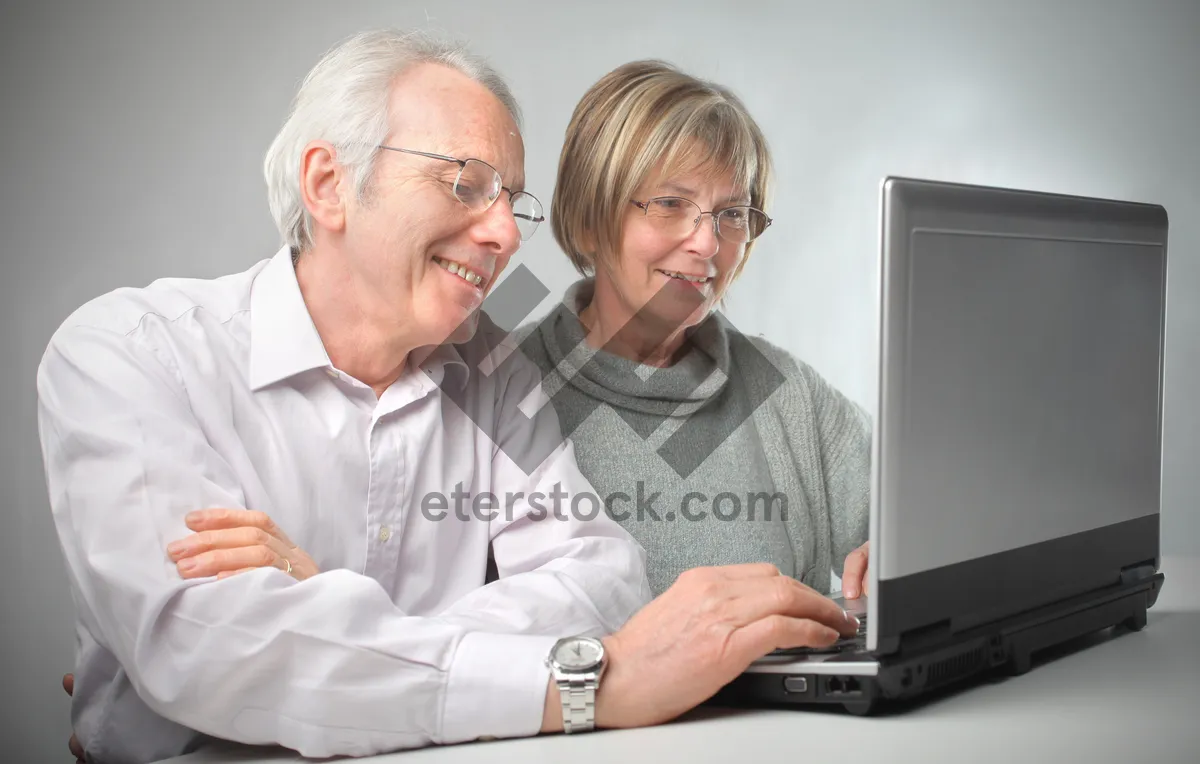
[452,114]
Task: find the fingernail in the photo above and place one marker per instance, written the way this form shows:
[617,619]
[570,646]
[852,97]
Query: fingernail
[192,517]
[176,548]
[187,566]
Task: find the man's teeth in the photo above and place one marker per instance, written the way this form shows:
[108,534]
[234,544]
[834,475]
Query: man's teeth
[693,279]
[460,270]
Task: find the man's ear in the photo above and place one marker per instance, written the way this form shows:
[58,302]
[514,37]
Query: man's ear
[322,181]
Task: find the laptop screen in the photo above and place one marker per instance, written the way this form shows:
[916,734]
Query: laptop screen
[1031,393]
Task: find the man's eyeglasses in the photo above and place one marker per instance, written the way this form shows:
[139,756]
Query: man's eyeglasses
[478,185]
[679,217]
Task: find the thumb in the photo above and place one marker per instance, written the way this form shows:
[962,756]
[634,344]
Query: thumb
[69,683]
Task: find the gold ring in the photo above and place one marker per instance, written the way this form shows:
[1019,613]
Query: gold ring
[289,566]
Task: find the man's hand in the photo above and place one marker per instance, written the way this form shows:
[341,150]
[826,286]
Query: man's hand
[76,749]
[700,634]
[231,541]
[854,574]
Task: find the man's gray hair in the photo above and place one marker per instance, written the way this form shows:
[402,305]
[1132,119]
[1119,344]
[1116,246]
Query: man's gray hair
[344,100]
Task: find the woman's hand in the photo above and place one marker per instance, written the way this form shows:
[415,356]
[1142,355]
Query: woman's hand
[231,541]
[854,574]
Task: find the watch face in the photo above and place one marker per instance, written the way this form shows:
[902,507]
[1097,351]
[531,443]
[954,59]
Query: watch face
[578,654]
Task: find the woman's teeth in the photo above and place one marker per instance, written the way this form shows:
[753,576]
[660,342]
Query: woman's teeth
[693,279]
[469,276]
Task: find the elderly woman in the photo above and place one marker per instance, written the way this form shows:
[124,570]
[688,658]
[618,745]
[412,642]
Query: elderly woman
[710,447]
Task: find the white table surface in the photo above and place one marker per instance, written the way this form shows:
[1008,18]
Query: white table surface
[1130,698]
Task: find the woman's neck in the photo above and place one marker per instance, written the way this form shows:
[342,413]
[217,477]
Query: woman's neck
[610,324]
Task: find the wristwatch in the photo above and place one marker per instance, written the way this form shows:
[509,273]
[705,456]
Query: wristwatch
[577,663]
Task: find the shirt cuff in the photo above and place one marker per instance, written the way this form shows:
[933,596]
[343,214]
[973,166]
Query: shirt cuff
[497,687]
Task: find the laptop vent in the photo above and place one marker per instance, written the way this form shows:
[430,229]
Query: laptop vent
[955,668]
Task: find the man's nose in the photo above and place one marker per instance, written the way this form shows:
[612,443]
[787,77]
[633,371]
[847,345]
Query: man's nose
[496,228]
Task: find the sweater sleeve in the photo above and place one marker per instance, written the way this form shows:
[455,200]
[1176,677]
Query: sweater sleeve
[844,436]
[822,417]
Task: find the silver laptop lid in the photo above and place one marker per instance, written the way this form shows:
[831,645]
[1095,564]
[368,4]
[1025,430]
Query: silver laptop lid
[1020,399]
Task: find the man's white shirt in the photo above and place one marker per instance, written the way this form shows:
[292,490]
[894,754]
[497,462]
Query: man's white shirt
[190,394]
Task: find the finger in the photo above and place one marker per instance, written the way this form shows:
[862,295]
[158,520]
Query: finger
[756,639]
[76,749]
[228,573]
[215,517]
[218,518]
[220,560]
[747,570]
[714,573]
[747,601]
[69,683]
[853,573]
[229,538]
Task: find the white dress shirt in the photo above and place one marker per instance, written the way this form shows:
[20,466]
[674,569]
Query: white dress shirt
[190,394]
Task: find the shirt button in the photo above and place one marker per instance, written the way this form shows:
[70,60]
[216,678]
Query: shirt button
[385,533]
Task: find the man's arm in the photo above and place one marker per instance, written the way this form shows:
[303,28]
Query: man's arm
[326,666]
[561,573]
[558,576]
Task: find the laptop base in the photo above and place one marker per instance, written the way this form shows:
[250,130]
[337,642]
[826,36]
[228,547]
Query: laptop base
[1006,647]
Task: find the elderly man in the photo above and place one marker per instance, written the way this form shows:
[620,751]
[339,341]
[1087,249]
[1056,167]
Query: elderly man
[330,388]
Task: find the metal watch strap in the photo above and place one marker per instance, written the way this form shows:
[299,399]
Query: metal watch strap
[578,692]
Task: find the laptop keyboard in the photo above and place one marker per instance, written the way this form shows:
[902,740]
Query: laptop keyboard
[845,644]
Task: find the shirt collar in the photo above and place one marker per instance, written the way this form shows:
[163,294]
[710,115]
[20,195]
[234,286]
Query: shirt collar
[444,366]
[283,340]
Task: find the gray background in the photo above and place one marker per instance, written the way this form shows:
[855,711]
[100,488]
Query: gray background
[132,135]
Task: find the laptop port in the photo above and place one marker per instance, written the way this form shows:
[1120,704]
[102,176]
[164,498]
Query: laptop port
[795,684]
[843,686]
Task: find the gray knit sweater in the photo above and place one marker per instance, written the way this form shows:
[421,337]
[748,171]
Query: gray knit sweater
[736,453]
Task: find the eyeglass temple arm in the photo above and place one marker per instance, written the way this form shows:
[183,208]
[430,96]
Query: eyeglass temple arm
[444,158]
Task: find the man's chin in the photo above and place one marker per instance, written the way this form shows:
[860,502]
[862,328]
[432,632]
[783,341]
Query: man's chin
[465,329]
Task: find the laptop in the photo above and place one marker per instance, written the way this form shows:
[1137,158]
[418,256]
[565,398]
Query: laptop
[1017,447]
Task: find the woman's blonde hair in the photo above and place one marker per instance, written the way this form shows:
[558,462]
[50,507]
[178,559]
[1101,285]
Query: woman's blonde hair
[637,116]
